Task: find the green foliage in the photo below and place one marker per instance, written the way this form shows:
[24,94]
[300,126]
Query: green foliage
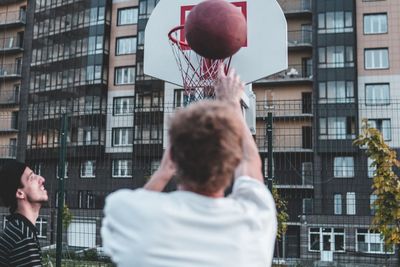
[281,208]
[66,217]
[386,184]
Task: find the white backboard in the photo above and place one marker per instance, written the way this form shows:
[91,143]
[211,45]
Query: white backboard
[264,54]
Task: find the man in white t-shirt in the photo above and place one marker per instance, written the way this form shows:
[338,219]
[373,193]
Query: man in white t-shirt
[197,226]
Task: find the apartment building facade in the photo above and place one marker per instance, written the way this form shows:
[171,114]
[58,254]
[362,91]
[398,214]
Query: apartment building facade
[12,28]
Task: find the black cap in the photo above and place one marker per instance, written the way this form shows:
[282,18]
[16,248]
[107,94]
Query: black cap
[10,180]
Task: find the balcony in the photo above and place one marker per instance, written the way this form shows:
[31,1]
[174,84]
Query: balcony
[12,19]
[293,74]
[10,71]
[8,124]
[299,39]
[11,45]
[292,141]
[8,152]
[293,8]
[284,108]
[9,97]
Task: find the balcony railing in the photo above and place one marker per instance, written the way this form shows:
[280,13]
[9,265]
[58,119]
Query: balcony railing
[9,97]
[8,124]
[292,73]
[10,43]
[8,152]
[10,70]
[12,17]
[284,108]
[289,142]
[299,38]
[295,6]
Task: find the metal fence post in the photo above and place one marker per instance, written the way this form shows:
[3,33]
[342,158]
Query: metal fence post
[270,152]
[61,174]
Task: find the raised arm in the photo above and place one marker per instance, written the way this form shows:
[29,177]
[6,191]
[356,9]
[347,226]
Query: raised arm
[163,175]
[229,88]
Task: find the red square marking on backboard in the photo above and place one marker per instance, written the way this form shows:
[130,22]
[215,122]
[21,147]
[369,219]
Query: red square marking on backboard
[185,10]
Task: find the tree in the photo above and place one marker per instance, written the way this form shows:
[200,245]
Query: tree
[386,184]
[282,212]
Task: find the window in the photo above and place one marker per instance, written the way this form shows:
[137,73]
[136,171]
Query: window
[88,169]
[122,168]
[371,169]
[383,125]
[337,204]
[37,168]
[376,58]
[125,75]
[335,57]
[336,92]
[64,199]
[66,170]
[326,239]
[372,205]
[343,167]
[86,200]
[123,105]
[351,203]
[122,136]
[179,98]
[335,22]
[369,241]
[377,94]
[126,45]
[336,127]
[375,23]
[307,206]
[127,16]
[41,226]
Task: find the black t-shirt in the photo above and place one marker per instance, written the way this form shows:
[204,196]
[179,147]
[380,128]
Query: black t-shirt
[19,245]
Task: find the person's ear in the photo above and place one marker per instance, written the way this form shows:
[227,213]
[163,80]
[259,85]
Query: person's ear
[20,194]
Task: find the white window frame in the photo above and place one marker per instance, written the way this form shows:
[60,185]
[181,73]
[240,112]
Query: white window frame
[120,168]
[377,94]
[371,169]
[124,134]
[375,23]
[372,206]
[351,203]
[123,106]
[343,167]
[376,58]
[125,75]
[382,125]
[330,233]
[371,238]
[125,45]
[39,226]
[337,204]
[127,16]
[66,170]
[88,169]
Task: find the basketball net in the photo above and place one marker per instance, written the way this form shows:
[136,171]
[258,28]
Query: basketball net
[198,73]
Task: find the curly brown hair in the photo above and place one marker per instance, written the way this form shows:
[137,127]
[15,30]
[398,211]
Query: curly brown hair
[206,145]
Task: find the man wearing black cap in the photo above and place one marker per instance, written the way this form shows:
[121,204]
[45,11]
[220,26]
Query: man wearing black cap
[24,193]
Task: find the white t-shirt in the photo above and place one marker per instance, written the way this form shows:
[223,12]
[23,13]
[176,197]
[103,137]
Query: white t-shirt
[185,229]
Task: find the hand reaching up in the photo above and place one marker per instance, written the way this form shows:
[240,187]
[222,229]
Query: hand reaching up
[228,87]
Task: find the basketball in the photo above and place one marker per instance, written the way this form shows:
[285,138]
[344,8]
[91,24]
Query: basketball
[216,29]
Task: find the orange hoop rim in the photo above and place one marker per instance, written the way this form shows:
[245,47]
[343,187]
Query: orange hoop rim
[174,40]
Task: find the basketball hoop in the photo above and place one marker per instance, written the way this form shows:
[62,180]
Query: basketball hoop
[198,73]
